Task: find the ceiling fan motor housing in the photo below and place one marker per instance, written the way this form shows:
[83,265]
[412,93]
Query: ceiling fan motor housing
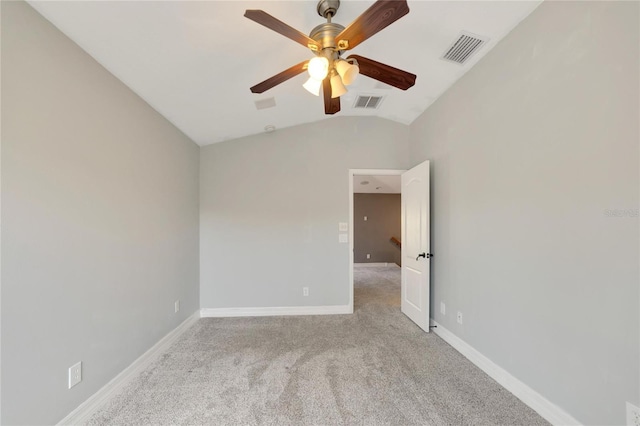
[325,34]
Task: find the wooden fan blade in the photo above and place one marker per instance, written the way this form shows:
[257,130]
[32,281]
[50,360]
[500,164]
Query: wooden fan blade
[263,18]
[385,73]
[331,105]
[379,16]
[280,78]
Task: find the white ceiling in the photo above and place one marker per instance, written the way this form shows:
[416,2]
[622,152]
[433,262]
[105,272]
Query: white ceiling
[377,184]
[194,61]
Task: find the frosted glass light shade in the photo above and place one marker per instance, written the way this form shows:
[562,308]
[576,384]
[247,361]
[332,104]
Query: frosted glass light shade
[318,67]
[348,72]
[313,86]
[337,88]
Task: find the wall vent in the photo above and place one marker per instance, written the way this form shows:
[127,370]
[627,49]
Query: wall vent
[369,102]
[265,103]
[464,47]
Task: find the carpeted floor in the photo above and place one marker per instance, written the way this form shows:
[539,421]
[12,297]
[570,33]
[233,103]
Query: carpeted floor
[374,367]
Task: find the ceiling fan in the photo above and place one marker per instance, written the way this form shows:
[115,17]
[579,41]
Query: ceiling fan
[328,41]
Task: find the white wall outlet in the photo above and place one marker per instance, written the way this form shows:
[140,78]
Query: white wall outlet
[343,238]
[343,226]
[633,415]
[443,309]
[176,306]
[459,317]
[305,291]
[368,256]
[365,218]
[75,374]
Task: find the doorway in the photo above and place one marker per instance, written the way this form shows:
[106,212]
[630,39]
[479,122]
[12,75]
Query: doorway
[414,239]
[377,191]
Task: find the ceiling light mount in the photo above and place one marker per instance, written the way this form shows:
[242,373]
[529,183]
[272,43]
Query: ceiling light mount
[328,8]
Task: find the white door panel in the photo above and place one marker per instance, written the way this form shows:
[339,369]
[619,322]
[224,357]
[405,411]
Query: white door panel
[415,245]
[413,288]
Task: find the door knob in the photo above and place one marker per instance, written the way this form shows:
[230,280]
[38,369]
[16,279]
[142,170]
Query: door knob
[425,255]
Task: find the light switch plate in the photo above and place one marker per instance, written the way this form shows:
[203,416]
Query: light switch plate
[343,226]
[343,238]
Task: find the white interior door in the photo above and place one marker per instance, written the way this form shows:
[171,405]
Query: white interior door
[415,245]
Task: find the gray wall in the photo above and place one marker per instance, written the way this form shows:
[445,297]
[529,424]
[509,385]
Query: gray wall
[372,236]
[530,150]
[100,222]
[270,208]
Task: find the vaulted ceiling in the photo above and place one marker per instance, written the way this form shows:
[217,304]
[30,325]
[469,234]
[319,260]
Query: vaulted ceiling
[194,61]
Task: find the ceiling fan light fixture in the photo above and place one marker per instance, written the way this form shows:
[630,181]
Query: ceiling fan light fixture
[328,41]
[337,87]
[313,86]
[347,71]
[318,67]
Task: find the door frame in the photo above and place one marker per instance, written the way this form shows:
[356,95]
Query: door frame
[352,174]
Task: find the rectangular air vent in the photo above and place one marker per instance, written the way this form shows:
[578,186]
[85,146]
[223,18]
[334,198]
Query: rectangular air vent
[369,102]
[464,47]
[265,103]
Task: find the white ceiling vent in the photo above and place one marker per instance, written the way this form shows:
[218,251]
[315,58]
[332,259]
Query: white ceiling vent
[368,102]
[464,47]
[265,103]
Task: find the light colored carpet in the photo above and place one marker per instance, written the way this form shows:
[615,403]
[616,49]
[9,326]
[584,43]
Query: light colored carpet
[374,367]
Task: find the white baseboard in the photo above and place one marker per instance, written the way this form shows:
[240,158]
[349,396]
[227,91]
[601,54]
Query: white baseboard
[375,264]
[547,409]
[268,312]
[97,400]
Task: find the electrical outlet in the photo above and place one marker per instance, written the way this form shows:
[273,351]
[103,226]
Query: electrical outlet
[633,415]
[176,306]
[443,309]
[459,317]
[305,291]
[365,218]
[75,374]
[368,256]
